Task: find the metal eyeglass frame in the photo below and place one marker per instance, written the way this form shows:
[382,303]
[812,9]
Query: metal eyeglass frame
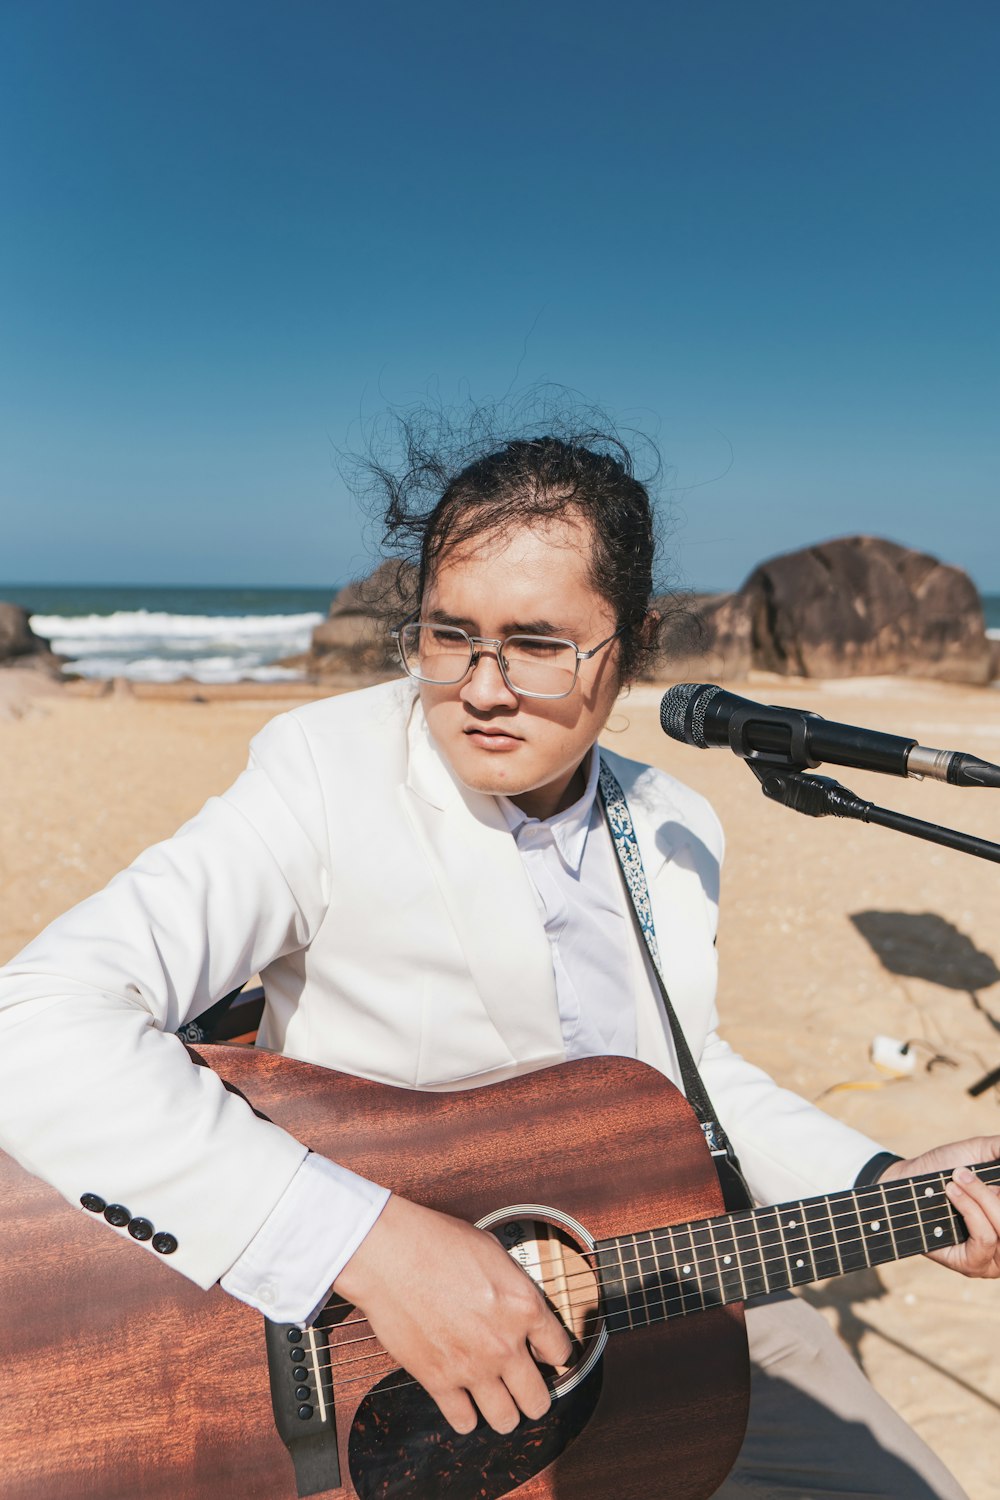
[497,649]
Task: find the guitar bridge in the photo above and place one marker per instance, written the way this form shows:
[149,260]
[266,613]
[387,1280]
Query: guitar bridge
[298,1363]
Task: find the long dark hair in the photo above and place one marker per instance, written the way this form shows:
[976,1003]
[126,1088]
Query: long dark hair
[454,477]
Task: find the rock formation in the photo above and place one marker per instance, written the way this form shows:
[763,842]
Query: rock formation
[354,639]
[856,606]
[20,646]
[863,606]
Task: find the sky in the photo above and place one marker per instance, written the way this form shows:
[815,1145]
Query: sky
[236,234]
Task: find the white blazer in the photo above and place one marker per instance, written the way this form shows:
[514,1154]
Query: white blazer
[390,916]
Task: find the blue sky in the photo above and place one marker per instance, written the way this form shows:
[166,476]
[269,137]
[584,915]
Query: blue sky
[765,233]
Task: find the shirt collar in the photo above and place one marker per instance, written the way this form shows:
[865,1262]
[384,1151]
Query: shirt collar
[569,828]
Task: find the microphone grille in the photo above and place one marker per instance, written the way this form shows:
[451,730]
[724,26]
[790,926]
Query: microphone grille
[673,711]
[710,691]
[682,711]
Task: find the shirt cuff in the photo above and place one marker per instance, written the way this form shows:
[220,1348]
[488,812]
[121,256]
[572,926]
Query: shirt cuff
[302,1246]
[874,1167]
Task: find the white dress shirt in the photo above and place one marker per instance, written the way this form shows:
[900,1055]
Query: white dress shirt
[571,864]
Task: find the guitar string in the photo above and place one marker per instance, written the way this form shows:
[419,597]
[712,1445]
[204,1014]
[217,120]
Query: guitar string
[696,1285]
[668,1300]
[745,1235]
[618,1321]
[624,1323]
[746,1239]
[713,1262]
[660,1316]
[666,1303]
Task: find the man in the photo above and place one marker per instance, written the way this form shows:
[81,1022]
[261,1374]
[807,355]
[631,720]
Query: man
[423,876]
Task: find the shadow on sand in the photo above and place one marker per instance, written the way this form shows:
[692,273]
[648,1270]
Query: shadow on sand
[923,945]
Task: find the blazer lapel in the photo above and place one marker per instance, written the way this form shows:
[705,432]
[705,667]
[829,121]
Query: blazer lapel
[677,868]
[483,883]
[685,941]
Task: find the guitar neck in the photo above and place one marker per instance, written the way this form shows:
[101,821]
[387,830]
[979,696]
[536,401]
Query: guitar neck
[683,1268]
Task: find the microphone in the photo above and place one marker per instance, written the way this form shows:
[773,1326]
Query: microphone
[703,714]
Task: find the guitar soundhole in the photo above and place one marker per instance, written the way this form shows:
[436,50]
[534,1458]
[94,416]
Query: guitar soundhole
[552,1251]
[400,1445]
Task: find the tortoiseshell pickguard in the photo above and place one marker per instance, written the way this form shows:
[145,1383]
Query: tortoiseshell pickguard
[400,1445]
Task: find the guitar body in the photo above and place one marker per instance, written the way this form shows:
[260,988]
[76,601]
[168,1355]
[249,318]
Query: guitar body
[120,1379]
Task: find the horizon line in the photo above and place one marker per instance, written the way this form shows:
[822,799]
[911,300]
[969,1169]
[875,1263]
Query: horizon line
[985,592]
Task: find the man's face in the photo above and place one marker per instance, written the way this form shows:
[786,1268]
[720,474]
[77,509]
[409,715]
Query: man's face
[533,581]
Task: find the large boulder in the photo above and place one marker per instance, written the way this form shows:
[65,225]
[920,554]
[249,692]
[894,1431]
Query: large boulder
[354,639]
[19,645]
[864,606]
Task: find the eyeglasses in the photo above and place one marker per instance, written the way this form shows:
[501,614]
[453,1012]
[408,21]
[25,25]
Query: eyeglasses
[533,666]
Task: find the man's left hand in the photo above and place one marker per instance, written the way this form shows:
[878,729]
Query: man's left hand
[976,1201]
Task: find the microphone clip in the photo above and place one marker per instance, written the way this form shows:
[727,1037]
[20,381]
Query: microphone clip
[791,721]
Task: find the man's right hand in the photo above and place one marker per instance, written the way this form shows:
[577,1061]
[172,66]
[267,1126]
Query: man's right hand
[451,1306]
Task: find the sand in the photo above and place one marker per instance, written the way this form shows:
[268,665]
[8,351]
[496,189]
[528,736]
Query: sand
[832,933]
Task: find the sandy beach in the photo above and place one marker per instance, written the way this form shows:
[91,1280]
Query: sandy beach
[832,933]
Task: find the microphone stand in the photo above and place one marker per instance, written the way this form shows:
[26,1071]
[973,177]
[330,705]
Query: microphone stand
[821,797]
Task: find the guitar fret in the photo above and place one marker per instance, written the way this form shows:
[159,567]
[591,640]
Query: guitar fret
[640,1300]
[916,1209]
[670,1288]
[888,1218]
[833,1237]
[939,1221]
[850,1239]
[862,1241]
[689,1279]
[630,1274]
[873,1217]
[904,1221]
[727,1266]
[754,1219]
[774,1258]
[743,1270]
[708,1266]
[665,1276]
[784,1247]
[753,1272]
[652,1280]
[956,1222]
[821,1236]
[795,1240]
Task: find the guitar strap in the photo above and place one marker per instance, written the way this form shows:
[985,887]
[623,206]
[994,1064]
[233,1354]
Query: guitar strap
[735,1191]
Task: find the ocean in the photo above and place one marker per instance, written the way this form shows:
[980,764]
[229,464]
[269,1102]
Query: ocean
[160,634]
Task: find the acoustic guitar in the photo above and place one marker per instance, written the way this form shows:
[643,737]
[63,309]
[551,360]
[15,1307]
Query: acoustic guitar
[120,1380]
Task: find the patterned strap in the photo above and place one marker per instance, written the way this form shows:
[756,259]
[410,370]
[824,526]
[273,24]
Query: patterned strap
[630,859]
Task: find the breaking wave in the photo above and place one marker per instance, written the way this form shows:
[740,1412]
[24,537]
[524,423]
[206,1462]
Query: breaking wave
[155,646]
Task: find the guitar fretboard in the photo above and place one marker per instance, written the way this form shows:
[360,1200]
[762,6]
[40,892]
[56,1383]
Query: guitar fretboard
[685,1268]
